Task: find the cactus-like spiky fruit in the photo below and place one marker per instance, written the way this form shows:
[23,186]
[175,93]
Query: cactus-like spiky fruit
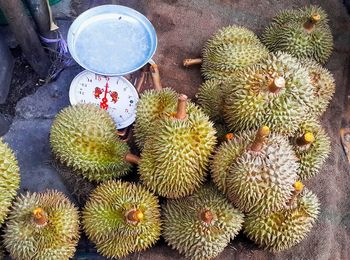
[200,226]
[229,50]
[260,181]
[285,228]
[9,179]
[311,153]
[42,226]
[84,138]
[323,86]
[121,218]
[277,93]
[175,157]
[303,33]
[153,105]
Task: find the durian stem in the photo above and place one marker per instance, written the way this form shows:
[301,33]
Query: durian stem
[156,77]
[190,62]
[305,139]
[277,84]
[260,138]
[298,188]
[132,158]
[229,136]
[181,107]
[39,217]
[134,215]
[313,19]
[207,216]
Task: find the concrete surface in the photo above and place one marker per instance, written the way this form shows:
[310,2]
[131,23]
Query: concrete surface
[183,26]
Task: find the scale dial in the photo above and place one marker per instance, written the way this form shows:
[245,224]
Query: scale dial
[114,94]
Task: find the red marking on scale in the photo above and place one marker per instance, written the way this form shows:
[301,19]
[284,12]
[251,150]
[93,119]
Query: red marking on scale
[97,92]
[104,104]
[114,96]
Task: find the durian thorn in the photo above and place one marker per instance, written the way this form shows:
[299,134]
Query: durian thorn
[277,84]
[260,138]
[305,139]
[181,107]
[39,217]
[207,216]
[298,188]
[229,136]
[190,62]
[134,215]
[310,23]
[156,77]
[132,158]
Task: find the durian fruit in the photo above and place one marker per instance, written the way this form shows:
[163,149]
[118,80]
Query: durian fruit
[121,218]
[256,170]
[176,156]
[323,86]
[42,226]
[312,146]
[303,33]
[277,93]
[285,228]
[200,226]
[153,105]
[228,51]
[9,179]
[84,138]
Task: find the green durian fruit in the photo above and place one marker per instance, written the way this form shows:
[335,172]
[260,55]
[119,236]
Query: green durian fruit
[256,171]
[277,93]
[42,226]
[323,86]
[175,157]
[153,105]
[121,218]
[9,179]
[201,225]
[303,33]
[312,146]
[84,138]
[285,228]
[228,51]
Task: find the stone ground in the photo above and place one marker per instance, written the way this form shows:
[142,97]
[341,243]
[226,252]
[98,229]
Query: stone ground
[183,26]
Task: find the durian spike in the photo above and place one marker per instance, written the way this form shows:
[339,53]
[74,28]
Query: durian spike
[260,137]
[156,77]
[132,158]
[134,216]
[207,216]
[190,62]
[314,18]
[181,107]
[277,84]
[39,217]
[229,136]
[298,188]
[305,139]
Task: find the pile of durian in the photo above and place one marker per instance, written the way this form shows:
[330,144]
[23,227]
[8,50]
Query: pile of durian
[235,161]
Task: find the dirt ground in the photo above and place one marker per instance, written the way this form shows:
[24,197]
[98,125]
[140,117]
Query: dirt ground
[183,26]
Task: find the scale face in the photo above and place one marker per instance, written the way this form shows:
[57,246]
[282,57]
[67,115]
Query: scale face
[114,94]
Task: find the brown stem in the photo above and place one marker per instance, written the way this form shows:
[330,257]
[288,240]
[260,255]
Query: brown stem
[313,19]
[156,77]
[277,84]
[132,158]
[298,188]
[134,215]
[260,137]
[305,139]
[39,217]
[181,107]
[190,62]
[207,216]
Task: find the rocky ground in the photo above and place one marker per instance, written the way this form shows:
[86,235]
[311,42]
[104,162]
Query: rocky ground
[183,26]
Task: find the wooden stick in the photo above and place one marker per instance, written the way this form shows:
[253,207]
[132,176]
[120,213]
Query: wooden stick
[132,158]
[26,36]
[181,107]
[277,84]
[141,79]
[305,139]
[156,77]
[190,62]
[260,137]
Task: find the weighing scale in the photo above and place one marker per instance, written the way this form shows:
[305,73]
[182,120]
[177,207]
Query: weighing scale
[110,42]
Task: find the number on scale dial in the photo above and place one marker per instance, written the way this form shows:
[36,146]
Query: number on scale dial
[115,94]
